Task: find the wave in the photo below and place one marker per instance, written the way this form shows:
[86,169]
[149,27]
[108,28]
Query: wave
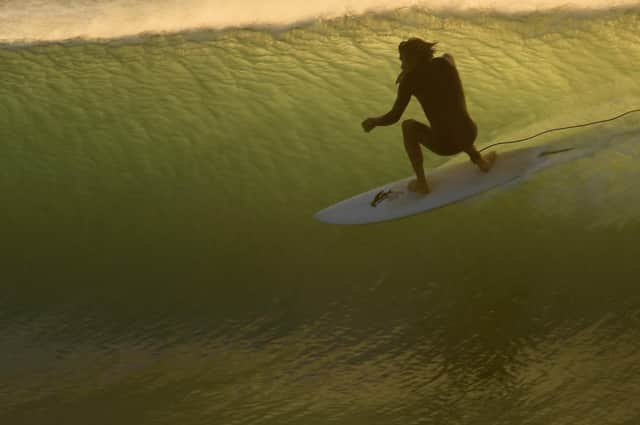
[45,21]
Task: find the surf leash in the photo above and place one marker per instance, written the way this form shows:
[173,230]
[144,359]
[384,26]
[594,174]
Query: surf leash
[561,128]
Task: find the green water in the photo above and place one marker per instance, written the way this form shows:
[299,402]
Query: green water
[160,263]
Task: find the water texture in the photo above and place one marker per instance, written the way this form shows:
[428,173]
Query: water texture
[159,259]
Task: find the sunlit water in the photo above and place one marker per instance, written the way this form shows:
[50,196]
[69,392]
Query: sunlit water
[160,262]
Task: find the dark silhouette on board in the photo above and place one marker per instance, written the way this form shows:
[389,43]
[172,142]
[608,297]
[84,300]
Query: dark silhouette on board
[436,84]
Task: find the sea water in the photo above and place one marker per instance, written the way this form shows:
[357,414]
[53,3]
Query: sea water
[160,163]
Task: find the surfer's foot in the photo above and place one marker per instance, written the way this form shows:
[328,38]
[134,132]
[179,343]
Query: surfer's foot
[419,186]
[486,161]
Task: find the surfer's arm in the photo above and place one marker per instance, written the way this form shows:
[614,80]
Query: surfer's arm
[402,100]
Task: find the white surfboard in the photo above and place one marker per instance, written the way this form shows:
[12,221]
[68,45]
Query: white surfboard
[448,183]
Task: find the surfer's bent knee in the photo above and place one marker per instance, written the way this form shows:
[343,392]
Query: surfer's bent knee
[408,124]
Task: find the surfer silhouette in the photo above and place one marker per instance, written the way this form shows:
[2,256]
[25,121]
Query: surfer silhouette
[436,84]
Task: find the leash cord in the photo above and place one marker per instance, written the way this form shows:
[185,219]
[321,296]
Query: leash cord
[561,128]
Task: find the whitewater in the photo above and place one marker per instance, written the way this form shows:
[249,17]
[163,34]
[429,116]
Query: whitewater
[53,20]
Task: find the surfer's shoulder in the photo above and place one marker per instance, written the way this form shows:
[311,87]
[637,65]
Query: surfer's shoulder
[449,58]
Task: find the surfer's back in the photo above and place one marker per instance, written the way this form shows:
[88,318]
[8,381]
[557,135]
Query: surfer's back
[437,86]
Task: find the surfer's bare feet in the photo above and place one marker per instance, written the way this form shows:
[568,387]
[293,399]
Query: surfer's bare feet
[419,186]
[486,161]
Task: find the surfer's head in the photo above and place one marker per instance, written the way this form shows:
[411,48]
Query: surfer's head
[415,50]
[412,52]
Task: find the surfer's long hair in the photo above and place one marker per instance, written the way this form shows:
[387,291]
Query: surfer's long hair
[415,48]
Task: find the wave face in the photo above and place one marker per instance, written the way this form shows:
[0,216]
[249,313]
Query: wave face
[160,263]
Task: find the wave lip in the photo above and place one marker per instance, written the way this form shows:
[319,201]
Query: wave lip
[36,20]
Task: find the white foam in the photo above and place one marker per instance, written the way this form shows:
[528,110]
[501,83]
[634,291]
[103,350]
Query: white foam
[51,20]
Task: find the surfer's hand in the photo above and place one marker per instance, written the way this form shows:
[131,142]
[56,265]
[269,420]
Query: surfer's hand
[368,124]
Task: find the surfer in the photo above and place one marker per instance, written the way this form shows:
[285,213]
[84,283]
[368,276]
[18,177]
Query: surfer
[436,84]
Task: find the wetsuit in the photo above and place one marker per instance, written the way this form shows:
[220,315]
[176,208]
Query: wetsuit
[437,86]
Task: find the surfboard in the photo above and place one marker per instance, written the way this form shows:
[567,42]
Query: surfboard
[449,183]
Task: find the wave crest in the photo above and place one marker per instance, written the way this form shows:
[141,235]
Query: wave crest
[38,20]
